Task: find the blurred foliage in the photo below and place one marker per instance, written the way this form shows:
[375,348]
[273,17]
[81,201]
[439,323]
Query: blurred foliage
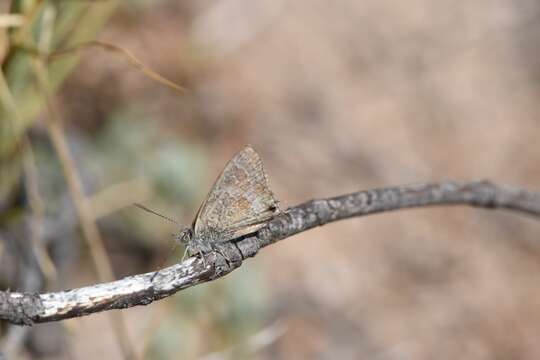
[177,167]
[128,149]
[48,26]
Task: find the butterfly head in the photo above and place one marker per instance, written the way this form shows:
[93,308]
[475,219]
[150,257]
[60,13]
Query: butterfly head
[185,236]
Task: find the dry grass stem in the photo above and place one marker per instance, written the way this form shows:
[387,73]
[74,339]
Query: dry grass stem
[84,211]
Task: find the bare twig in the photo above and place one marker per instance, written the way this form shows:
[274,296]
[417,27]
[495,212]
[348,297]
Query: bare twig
[26,309]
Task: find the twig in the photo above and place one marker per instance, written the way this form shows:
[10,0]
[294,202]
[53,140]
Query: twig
[26,309]
[128,55]
[118,196]
[252,345]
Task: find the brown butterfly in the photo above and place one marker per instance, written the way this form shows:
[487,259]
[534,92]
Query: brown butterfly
[240,203]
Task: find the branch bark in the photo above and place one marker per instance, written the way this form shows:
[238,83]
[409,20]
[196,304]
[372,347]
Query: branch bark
[28,308]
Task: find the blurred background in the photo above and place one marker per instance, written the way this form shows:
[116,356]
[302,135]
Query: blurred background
[336,97]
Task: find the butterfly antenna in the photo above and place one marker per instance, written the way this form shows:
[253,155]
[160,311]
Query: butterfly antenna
[142,207]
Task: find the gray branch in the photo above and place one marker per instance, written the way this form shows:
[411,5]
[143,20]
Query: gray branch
[28,308]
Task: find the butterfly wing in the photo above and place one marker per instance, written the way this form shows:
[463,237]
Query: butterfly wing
[240,201]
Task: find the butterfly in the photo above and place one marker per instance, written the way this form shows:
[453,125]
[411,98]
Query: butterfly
[240,203]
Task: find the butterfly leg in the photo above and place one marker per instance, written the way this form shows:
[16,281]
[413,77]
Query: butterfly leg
[185,254]
[201,254]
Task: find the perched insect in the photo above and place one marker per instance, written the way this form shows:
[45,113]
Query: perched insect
[240,203]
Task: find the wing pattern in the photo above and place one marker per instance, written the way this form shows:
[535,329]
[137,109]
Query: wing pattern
[240,201]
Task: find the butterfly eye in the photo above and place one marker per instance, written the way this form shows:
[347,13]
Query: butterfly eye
[186,235]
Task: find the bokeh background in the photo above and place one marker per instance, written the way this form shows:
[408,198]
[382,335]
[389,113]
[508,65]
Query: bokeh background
[336,96]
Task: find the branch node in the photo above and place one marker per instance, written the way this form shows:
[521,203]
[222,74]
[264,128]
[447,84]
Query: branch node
[20,308]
